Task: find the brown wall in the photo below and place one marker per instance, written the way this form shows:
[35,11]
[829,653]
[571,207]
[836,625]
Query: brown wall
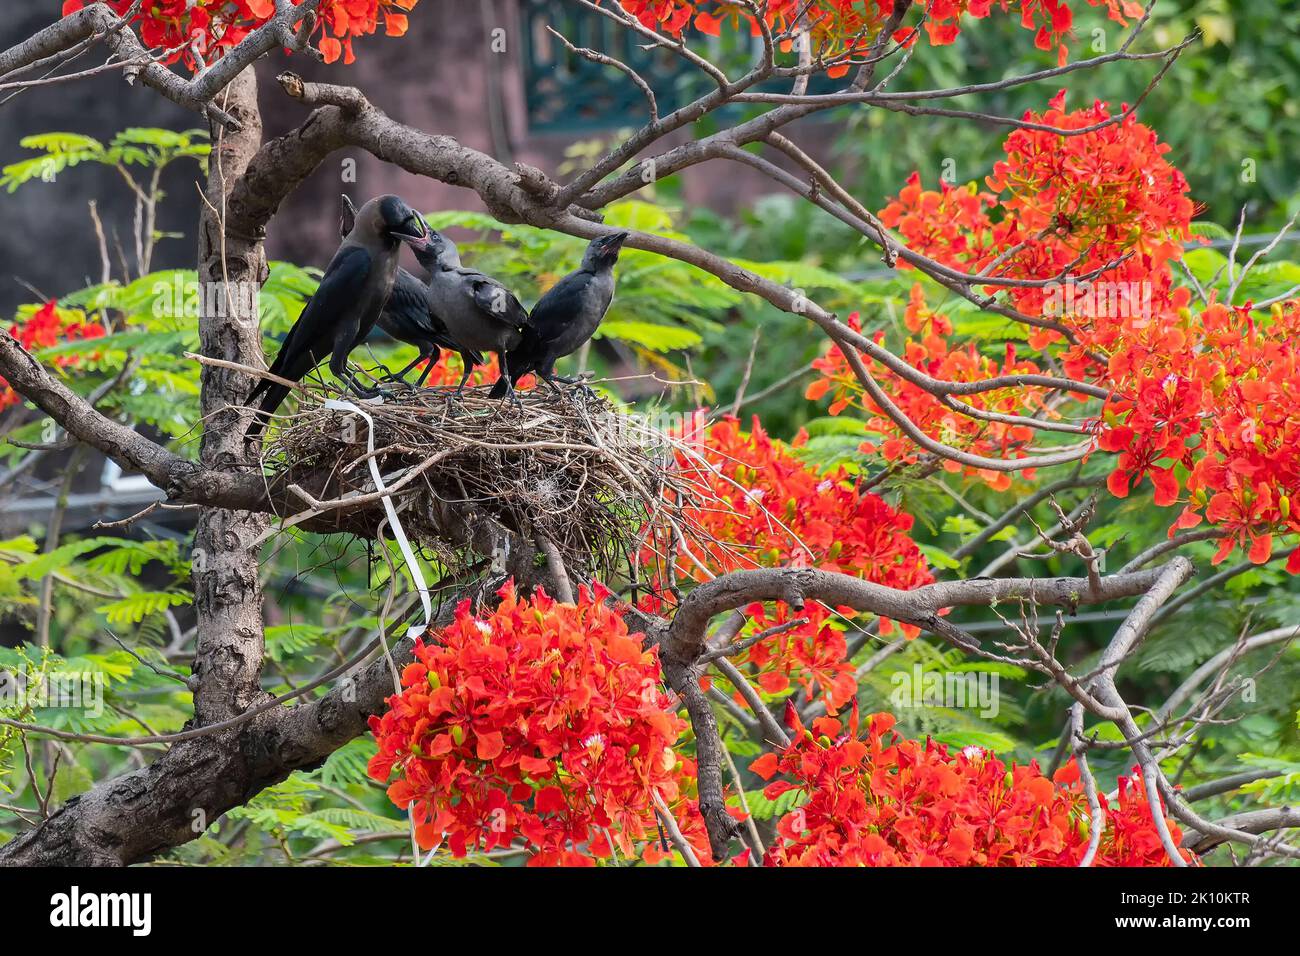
[441,77]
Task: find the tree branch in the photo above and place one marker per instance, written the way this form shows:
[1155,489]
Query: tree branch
[98,23]
[921,606]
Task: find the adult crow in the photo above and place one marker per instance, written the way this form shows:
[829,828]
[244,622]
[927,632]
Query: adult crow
[480,313]
[407,317]
[352,293]
[566,317]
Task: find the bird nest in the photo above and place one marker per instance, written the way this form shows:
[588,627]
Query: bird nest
[572,472]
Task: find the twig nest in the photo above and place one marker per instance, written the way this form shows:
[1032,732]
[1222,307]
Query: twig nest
[572,469]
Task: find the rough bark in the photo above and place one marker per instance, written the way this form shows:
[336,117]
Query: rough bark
[227,587]
[185,791]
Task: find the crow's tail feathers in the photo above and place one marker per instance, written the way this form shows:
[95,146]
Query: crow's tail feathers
[275,393]
[501,387]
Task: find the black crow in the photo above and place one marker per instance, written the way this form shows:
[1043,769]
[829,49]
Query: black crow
[566,317]
[481,314]
[407,318]
[343,310]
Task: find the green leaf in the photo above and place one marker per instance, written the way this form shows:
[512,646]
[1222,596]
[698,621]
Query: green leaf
[837,425]
[134,608]
[1210,230]
[960,524]
[61,142]
[799,275]
[957,739]
[58,559]
[939,558]
[143,343]
[657,338]
[639,215]
[130,557]
[347,765]
[764,809]
[284,641]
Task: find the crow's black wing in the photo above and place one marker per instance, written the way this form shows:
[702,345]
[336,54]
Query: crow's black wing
[552,314]
[443,340]
[494,299]
[406,314]
[408,318]
[312,336]
[558,308]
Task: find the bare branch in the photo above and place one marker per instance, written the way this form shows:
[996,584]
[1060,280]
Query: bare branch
[921,606]
[595,57]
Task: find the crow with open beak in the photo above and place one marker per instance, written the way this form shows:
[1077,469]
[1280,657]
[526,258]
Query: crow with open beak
[346,305]
[481,314]
[407,316]
[565,318]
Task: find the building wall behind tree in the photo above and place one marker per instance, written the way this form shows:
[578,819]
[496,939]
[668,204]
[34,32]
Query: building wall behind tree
[445,76]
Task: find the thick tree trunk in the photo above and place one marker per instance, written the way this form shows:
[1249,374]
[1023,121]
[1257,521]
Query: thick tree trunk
[227,590]
[179,796]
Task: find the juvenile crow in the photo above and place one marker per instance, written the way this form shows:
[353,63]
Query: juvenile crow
[566,317]
[353,291]
[407,317]
[481,314]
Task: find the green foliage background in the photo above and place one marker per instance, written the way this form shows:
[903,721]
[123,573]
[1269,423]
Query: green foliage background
[1227,101]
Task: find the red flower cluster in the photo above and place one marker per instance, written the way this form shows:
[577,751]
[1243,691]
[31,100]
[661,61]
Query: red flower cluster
[1210,397]
[950,225]
[543,722]
[342,20]
[1110,186]
[47,327]
[881,800]
[1207,407]
[205,29]
[927,348]
[813,655]
[760,506]
[449,368]
[767,508]
[837,27]
[1051,20]
[1076,203]
[1230,417]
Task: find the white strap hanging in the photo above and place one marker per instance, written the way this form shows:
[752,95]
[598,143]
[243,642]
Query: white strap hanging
[399,534]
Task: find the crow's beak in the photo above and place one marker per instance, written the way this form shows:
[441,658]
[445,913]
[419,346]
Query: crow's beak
[416,242]
[616,240]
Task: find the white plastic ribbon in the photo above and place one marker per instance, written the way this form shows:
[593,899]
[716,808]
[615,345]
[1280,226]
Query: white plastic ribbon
[399,534]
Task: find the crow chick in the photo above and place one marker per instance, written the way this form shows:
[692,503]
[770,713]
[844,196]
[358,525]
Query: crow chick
[407,317]
[343,310]
[481,314]
[566,317]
